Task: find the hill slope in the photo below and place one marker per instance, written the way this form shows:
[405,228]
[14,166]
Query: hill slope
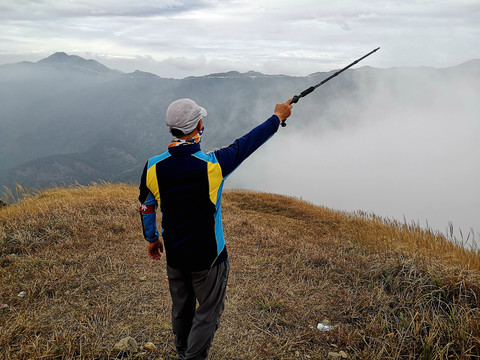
[391,291]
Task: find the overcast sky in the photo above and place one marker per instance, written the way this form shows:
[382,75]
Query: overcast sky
[178,38]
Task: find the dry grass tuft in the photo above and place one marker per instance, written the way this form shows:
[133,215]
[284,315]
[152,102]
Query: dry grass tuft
[391,291]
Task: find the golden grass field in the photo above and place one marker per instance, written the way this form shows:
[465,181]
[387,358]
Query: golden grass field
[390,290]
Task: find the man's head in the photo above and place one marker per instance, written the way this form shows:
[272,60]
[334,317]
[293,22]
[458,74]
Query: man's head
[183,116]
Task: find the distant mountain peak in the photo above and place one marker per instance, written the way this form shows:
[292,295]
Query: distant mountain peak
[57,56]
[62,58]
[76,62]
[470,64]
[140,74]
[235,75]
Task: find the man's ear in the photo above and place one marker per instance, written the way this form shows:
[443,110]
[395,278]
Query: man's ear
[200,125]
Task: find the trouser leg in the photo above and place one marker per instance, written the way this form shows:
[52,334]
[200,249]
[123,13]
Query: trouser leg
[210,287]
[183,306]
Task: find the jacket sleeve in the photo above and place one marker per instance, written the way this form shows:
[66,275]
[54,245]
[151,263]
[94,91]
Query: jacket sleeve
[147,209]
[232,156]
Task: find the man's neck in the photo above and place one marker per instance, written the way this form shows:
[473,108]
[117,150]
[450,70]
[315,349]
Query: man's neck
[189,136]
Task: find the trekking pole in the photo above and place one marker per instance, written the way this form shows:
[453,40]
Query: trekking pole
[311,88]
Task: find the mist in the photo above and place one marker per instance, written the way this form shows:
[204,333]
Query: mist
[411,152]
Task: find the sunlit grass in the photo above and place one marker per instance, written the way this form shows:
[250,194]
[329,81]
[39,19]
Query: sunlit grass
[390,290]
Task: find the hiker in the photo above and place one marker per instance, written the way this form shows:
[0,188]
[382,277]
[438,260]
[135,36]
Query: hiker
[186,184]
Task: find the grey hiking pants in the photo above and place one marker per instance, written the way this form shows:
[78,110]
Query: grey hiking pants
[193,327]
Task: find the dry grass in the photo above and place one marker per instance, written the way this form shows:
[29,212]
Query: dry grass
[392,291]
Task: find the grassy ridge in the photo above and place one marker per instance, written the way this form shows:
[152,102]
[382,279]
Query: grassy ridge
[391,291]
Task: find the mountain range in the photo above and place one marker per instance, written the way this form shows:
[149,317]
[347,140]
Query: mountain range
[66,119]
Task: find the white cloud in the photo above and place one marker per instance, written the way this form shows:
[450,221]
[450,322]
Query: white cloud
[295,38]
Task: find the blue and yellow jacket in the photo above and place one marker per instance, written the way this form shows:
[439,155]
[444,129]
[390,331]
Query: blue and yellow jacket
[186,183]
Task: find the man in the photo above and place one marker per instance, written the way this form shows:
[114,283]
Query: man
[187,184]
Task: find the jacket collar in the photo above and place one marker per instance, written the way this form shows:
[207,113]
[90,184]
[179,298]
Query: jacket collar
[184,150]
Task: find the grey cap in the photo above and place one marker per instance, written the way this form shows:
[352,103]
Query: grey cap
[184,115]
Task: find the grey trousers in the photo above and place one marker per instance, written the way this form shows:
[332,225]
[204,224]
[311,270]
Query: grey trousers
[194,327]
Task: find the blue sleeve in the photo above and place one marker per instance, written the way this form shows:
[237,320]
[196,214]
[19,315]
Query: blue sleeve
[147,208]
[232,156]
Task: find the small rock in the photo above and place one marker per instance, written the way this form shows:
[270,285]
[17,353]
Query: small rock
[149,346]
[325,327]
[127,344]
[143,278]
[22,294]
[334,355]
[337,355]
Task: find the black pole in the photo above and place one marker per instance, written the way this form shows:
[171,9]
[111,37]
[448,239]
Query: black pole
[311,88]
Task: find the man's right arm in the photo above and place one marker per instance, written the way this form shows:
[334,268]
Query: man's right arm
[232,156]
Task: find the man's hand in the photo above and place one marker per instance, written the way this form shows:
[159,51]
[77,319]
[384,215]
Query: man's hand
[155,249]
[283,110]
